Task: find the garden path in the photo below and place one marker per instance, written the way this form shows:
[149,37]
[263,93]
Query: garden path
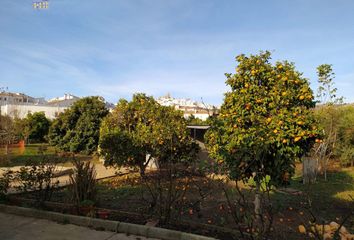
[15,227]
[63,172]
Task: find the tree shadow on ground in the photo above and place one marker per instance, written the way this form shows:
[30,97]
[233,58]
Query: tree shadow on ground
[330,201]
[323,201]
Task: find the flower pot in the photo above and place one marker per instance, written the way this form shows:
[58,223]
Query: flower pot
[103,214]
[86,210]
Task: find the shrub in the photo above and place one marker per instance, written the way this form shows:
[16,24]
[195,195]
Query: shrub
[164,191]
[83,181]
[5,182]
[37,177]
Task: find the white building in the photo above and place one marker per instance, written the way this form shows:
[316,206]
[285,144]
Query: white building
[188,106]
[19,98]
[19,105]
[66,97]
[22,110]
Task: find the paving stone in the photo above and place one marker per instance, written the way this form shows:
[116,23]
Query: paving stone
[15,227]
[123,236]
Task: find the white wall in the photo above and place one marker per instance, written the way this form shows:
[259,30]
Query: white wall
[21,111]
[202,116]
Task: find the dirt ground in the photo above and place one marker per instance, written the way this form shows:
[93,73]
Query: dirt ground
[204,201]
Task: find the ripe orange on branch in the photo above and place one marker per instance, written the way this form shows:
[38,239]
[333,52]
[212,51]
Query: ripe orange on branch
[297,139]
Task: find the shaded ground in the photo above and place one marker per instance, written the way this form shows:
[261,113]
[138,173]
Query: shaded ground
[15,227]
[331,201]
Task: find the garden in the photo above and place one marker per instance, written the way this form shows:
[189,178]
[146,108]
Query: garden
[203,204]
[250,187]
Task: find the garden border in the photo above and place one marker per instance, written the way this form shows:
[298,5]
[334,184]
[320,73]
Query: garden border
[99,224]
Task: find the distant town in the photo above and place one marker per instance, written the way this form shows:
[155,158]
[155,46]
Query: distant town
[19,105]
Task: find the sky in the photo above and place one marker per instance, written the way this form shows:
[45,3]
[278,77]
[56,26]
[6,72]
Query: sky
[115,48]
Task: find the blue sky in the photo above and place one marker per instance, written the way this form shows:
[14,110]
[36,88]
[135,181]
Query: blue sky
[184,47]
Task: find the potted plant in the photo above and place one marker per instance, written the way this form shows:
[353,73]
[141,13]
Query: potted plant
[87,207]
[103,213]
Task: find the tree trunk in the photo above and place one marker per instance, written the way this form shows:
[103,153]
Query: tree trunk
[142,170]
[143,164]
[257,201]
[325,169]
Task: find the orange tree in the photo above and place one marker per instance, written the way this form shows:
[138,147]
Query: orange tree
[140,130]
[265,123]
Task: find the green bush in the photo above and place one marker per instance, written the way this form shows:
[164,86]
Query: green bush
[83,183]
[5,182]
[264,184]
[77,129]
[38,178]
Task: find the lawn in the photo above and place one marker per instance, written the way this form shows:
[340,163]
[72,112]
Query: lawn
[18,156]
[330,200]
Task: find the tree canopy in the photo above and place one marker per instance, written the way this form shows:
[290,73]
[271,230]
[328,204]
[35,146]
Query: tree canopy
[266,122]
[345,146]
[7,130]
[192,120]
[37,126]
[327,93]
[77,129]
[328,115]
[139,130]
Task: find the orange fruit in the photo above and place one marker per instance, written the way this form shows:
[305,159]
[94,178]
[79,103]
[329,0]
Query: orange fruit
[302,229]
